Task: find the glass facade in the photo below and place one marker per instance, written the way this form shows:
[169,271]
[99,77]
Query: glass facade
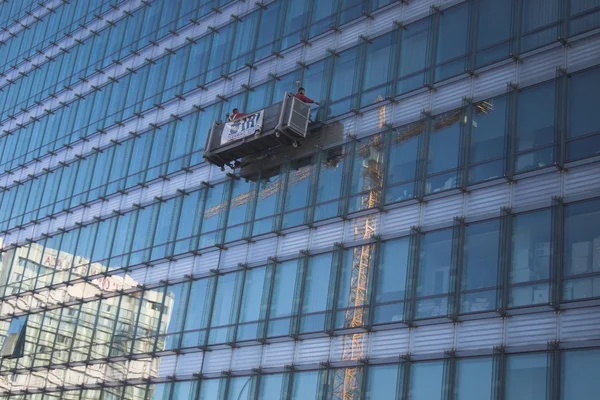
[450,203]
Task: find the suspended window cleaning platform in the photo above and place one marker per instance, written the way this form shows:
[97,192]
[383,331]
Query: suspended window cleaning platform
[283,124]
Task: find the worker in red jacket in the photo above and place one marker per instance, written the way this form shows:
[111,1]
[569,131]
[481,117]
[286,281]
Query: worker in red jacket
[303,98]
[235,114]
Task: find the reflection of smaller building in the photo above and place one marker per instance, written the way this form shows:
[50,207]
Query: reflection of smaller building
[99,318]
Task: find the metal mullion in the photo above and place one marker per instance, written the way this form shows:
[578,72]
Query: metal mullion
[499,373]
[224,216]
[284,174]
[175,217]
[266,300]
[94,330]
[355,99]
[553,379]
[557,251]
[561,118]
[449,376]
[474,14]
[456,267]
[503,293]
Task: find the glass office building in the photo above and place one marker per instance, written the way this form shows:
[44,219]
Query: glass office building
[440,239]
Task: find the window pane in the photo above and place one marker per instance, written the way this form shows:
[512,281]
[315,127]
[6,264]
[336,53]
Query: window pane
[377,69]
[391,281]
[367,173]
[223,308]
[209,389]
[530,259]
[452,42]
[426,381]
[413,56]
[583,118]
[271,387]
[488,136]
[403,162]
[282,298]
[355,273]
[473,379]
[251,303]
[580,375]
[535,126]
[196,317]
[443,152]
[433,278]
[382,382]
[581,18]
[480,267]
[526,377]
[296,195]
[493,31]
[239,388]
[329,185]
[316,288]
[539,23]
[343,82]
[305,385]
[582,250]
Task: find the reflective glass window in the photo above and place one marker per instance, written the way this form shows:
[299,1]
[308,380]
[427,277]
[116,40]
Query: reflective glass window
[305,385]
[413,56]
[178,294]
[583,139]
[316,289]
[241,193]
[530,258]
[581,260]
[315,80]
[240,388]
[271,387]
[296,193]
[376,73]
[282,298]
[251,306]
[269,188]
[383,382]
[402,163]
[343,82]
[209,389]
[579,380]
[329,183]
[426,381]
[539,23]
[297,12]
[367,173]
[474,377]
[185,390]
[526,376]
[487,139]
[451,55]
[196,317]
[535,127]
[480,267]
[355,275]
[493,31]
[344,382]
[443,154]
[224,305]
[390,291]
[584,15]
[433,276]
[214,208]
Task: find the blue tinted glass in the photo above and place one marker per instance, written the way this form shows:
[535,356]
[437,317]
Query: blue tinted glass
[426,381]
[382,383]
[526,377]
[391,281]
[579,380]
[474,379]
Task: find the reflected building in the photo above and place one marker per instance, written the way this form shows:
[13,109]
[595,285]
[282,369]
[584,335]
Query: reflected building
[434,237]
[76,324]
